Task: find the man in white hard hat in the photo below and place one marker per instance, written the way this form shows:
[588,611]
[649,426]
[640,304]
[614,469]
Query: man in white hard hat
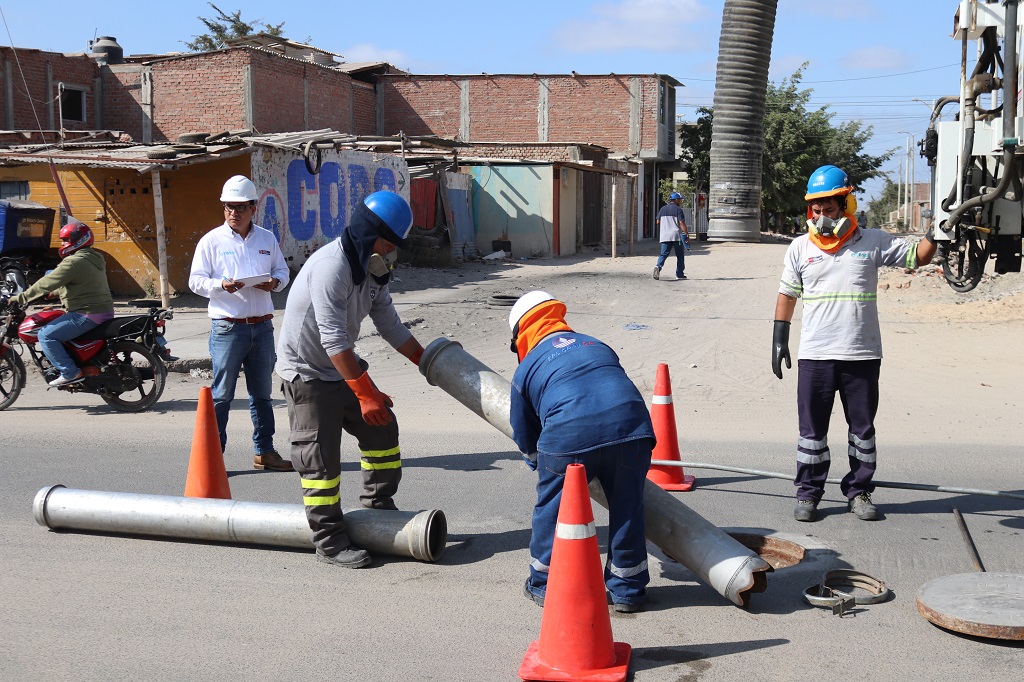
[572,403]
[236,266]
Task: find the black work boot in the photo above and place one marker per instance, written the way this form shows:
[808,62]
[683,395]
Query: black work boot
[806,510]
[350,557]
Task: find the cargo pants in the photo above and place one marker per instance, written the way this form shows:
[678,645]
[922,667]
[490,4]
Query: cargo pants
[318,412]
[817,384]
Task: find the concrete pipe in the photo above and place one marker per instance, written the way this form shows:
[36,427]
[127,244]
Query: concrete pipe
[420,535]
[715,557]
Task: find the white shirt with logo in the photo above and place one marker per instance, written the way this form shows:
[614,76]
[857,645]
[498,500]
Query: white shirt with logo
[223,254]
[840,292]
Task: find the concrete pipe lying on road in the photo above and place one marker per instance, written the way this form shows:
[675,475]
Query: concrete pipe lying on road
[420,535]
[715,557]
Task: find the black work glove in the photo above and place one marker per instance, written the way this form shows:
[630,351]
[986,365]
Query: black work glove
[780,347]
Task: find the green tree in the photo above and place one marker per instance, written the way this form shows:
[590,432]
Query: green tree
[667,186]
[224,27]
[797,139]
[882,207]
[695,143]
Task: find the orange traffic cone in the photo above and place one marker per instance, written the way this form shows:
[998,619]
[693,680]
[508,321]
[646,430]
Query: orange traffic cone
[664,418]
[575,631]
[206,474]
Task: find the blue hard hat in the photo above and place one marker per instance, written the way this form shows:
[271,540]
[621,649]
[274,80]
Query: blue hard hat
[827,181]
[395,212]
[674,196]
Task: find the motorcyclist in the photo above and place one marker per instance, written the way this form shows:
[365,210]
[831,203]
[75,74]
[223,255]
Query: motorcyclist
[80,280]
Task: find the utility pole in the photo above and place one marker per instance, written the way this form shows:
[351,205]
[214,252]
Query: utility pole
[909,194]
[899,192]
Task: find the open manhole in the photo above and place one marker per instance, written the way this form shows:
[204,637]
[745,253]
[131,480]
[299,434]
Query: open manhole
[777,552]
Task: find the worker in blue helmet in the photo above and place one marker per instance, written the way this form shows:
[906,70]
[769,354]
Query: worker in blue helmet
[673,235]
[834,268]
[325,382]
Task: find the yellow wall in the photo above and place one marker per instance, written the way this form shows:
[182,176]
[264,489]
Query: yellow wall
[118,205]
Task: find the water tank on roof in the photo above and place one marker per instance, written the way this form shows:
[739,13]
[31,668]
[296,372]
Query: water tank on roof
[105,50]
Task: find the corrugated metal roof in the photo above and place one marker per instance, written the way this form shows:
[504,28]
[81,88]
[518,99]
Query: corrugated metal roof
[129,156]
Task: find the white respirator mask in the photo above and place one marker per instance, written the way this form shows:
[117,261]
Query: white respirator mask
[381,266]
[826,227]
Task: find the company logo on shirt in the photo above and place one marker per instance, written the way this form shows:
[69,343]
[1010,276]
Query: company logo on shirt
[815,259]
[562,342]
[264,252]
[227,253]
[863,255]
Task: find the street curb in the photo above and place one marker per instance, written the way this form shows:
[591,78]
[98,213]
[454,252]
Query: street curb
[186,365]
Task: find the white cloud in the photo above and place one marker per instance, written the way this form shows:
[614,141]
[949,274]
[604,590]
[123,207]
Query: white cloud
[368,52]
[663,25]
[879,57]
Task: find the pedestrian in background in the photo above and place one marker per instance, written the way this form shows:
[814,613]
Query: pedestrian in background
[674,236]
[572,403]
[242,333]
[326,384]
[834,268]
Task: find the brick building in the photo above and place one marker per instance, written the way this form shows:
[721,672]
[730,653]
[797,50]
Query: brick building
[592,135]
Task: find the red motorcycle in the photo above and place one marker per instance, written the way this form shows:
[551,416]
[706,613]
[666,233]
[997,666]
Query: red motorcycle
[122,359]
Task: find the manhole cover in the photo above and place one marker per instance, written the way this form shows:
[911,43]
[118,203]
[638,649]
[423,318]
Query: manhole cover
[980,604]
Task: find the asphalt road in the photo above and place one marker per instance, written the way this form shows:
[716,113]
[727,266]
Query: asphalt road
[102,607]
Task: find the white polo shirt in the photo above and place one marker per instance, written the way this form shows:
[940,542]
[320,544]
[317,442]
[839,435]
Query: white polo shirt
[840,292]
[223,254]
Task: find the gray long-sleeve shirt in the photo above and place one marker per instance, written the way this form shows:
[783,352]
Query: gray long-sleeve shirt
[324,312]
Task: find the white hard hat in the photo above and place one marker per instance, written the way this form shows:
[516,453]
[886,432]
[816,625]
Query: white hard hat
[525,304]
[239,188]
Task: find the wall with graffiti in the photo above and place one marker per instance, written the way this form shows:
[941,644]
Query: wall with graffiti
[306,211]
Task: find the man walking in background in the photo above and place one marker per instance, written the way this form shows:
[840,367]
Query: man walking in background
[672,224]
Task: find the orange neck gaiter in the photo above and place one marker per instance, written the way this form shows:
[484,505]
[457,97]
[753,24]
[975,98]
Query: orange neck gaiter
[546,318]
[833,244]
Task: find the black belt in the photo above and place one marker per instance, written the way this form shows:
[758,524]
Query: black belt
[248,320]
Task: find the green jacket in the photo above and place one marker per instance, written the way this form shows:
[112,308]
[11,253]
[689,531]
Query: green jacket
[82,280]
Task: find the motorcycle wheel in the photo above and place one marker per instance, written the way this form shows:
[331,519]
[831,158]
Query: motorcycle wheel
[12,378]
[144,370]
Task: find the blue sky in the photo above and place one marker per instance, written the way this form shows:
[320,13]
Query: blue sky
[868,59]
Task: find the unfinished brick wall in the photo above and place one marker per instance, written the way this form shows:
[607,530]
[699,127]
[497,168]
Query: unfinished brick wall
[364,109]
[590,109]
[76,71]
[581,109]
[329,100]
[122,99]
[420,105]
[199,93]
[537,152]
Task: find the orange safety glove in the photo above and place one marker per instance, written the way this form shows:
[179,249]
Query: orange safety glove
[372,402]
